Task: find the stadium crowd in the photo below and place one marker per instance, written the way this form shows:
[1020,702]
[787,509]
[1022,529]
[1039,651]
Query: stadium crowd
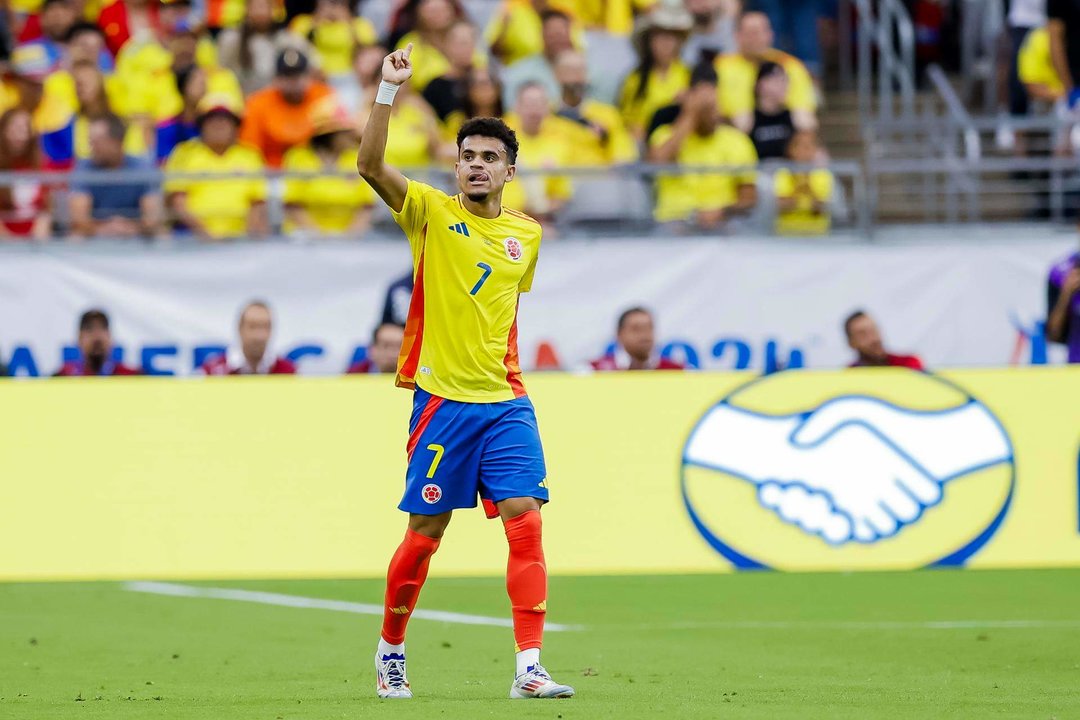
[216,92]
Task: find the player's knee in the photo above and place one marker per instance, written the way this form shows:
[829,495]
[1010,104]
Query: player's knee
[432,526]
[514,507]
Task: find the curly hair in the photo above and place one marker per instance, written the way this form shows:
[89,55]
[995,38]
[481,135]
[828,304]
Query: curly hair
[492,128]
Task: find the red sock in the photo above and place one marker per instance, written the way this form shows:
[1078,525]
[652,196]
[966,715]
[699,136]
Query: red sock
[407,573]
[526,579]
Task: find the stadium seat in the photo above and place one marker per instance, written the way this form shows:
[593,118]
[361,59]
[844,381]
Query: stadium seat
[609,202]
[610,58]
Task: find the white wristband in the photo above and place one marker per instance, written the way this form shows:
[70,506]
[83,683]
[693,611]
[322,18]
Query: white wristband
[386,93]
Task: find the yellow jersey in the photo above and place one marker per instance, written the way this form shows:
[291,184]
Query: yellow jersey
[331,200]
[802,220]
[738,76]
[663,89]
[335,41]
[1034,64]
[222,205]
[461,333]
[679,197]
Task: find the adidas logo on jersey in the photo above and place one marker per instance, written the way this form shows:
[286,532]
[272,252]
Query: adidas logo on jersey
[461,229]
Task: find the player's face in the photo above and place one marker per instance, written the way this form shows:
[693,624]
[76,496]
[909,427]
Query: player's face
[865,338]
[482,167]
[636,336]
[255,328]
[384,351]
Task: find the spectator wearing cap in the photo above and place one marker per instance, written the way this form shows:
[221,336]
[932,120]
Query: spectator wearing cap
[429,37]
[112,209]
[660,76]
[698,137]
[539,68]
[96,356]
[252,357]
[24,205]
[864,338]
[738,72]
[337,202]
[803,193]
[597,131]
[543,144]
[250,51]
[334,31]
[382,353]
[50,101]
[279,117]
[217,208]
[1063,305]
[635,345]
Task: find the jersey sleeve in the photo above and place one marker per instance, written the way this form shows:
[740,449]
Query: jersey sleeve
[420,200]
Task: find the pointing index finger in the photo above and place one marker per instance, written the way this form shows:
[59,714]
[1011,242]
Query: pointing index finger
[407,51]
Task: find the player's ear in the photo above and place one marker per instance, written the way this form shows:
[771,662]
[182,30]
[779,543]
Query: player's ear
[511,170]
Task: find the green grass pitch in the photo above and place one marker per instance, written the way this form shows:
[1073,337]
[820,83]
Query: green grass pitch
[966,644]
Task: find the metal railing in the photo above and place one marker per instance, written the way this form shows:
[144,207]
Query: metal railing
[885,39]
[982,24]
[605,200]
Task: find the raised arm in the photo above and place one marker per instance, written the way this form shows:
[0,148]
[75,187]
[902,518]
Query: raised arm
[388,182]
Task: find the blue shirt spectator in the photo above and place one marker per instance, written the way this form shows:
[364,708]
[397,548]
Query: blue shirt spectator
[111,208]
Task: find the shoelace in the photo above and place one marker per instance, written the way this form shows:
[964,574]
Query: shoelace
[395,673]
[540,672]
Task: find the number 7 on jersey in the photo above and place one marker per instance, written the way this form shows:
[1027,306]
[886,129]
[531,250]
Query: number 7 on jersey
[483,278]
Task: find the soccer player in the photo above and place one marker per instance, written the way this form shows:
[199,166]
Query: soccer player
[473,429]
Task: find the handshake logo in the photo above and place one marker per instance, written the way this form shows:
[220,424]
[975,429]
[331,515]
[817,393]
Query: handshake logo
[856,469]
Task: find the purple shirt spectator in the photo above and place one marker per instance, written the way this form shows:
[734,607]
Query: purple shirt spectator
[1063,305]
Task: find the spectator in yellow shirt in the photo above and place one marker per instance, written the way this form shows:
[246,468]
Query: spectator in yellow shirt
[803,196]
[446,93]
[698,138]
[515,32]
[660,75]
[738,73]
[331,203]
[1035,67]
[217,209]
[97,98]
[542,145]
[335,33]
[598,133]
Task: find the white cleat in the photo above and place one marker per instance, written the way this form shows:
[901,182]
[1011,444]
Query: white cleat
[392,682]
[536,683]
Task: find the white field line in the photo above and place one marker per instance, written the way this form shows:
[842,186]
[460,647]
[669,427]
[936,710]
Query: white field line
[858,625]
[297,601]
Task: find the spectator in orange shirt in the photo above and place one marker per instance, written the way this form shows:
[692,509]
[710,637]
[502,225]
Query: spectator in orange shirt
[279,117]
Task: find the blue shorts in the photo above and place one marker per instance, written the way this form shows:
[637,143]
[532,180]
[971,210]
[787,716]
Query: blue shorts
[460,451]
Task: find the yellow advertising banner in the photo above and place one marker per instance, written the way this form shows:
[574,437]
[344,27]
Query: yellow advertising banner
[648,473]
